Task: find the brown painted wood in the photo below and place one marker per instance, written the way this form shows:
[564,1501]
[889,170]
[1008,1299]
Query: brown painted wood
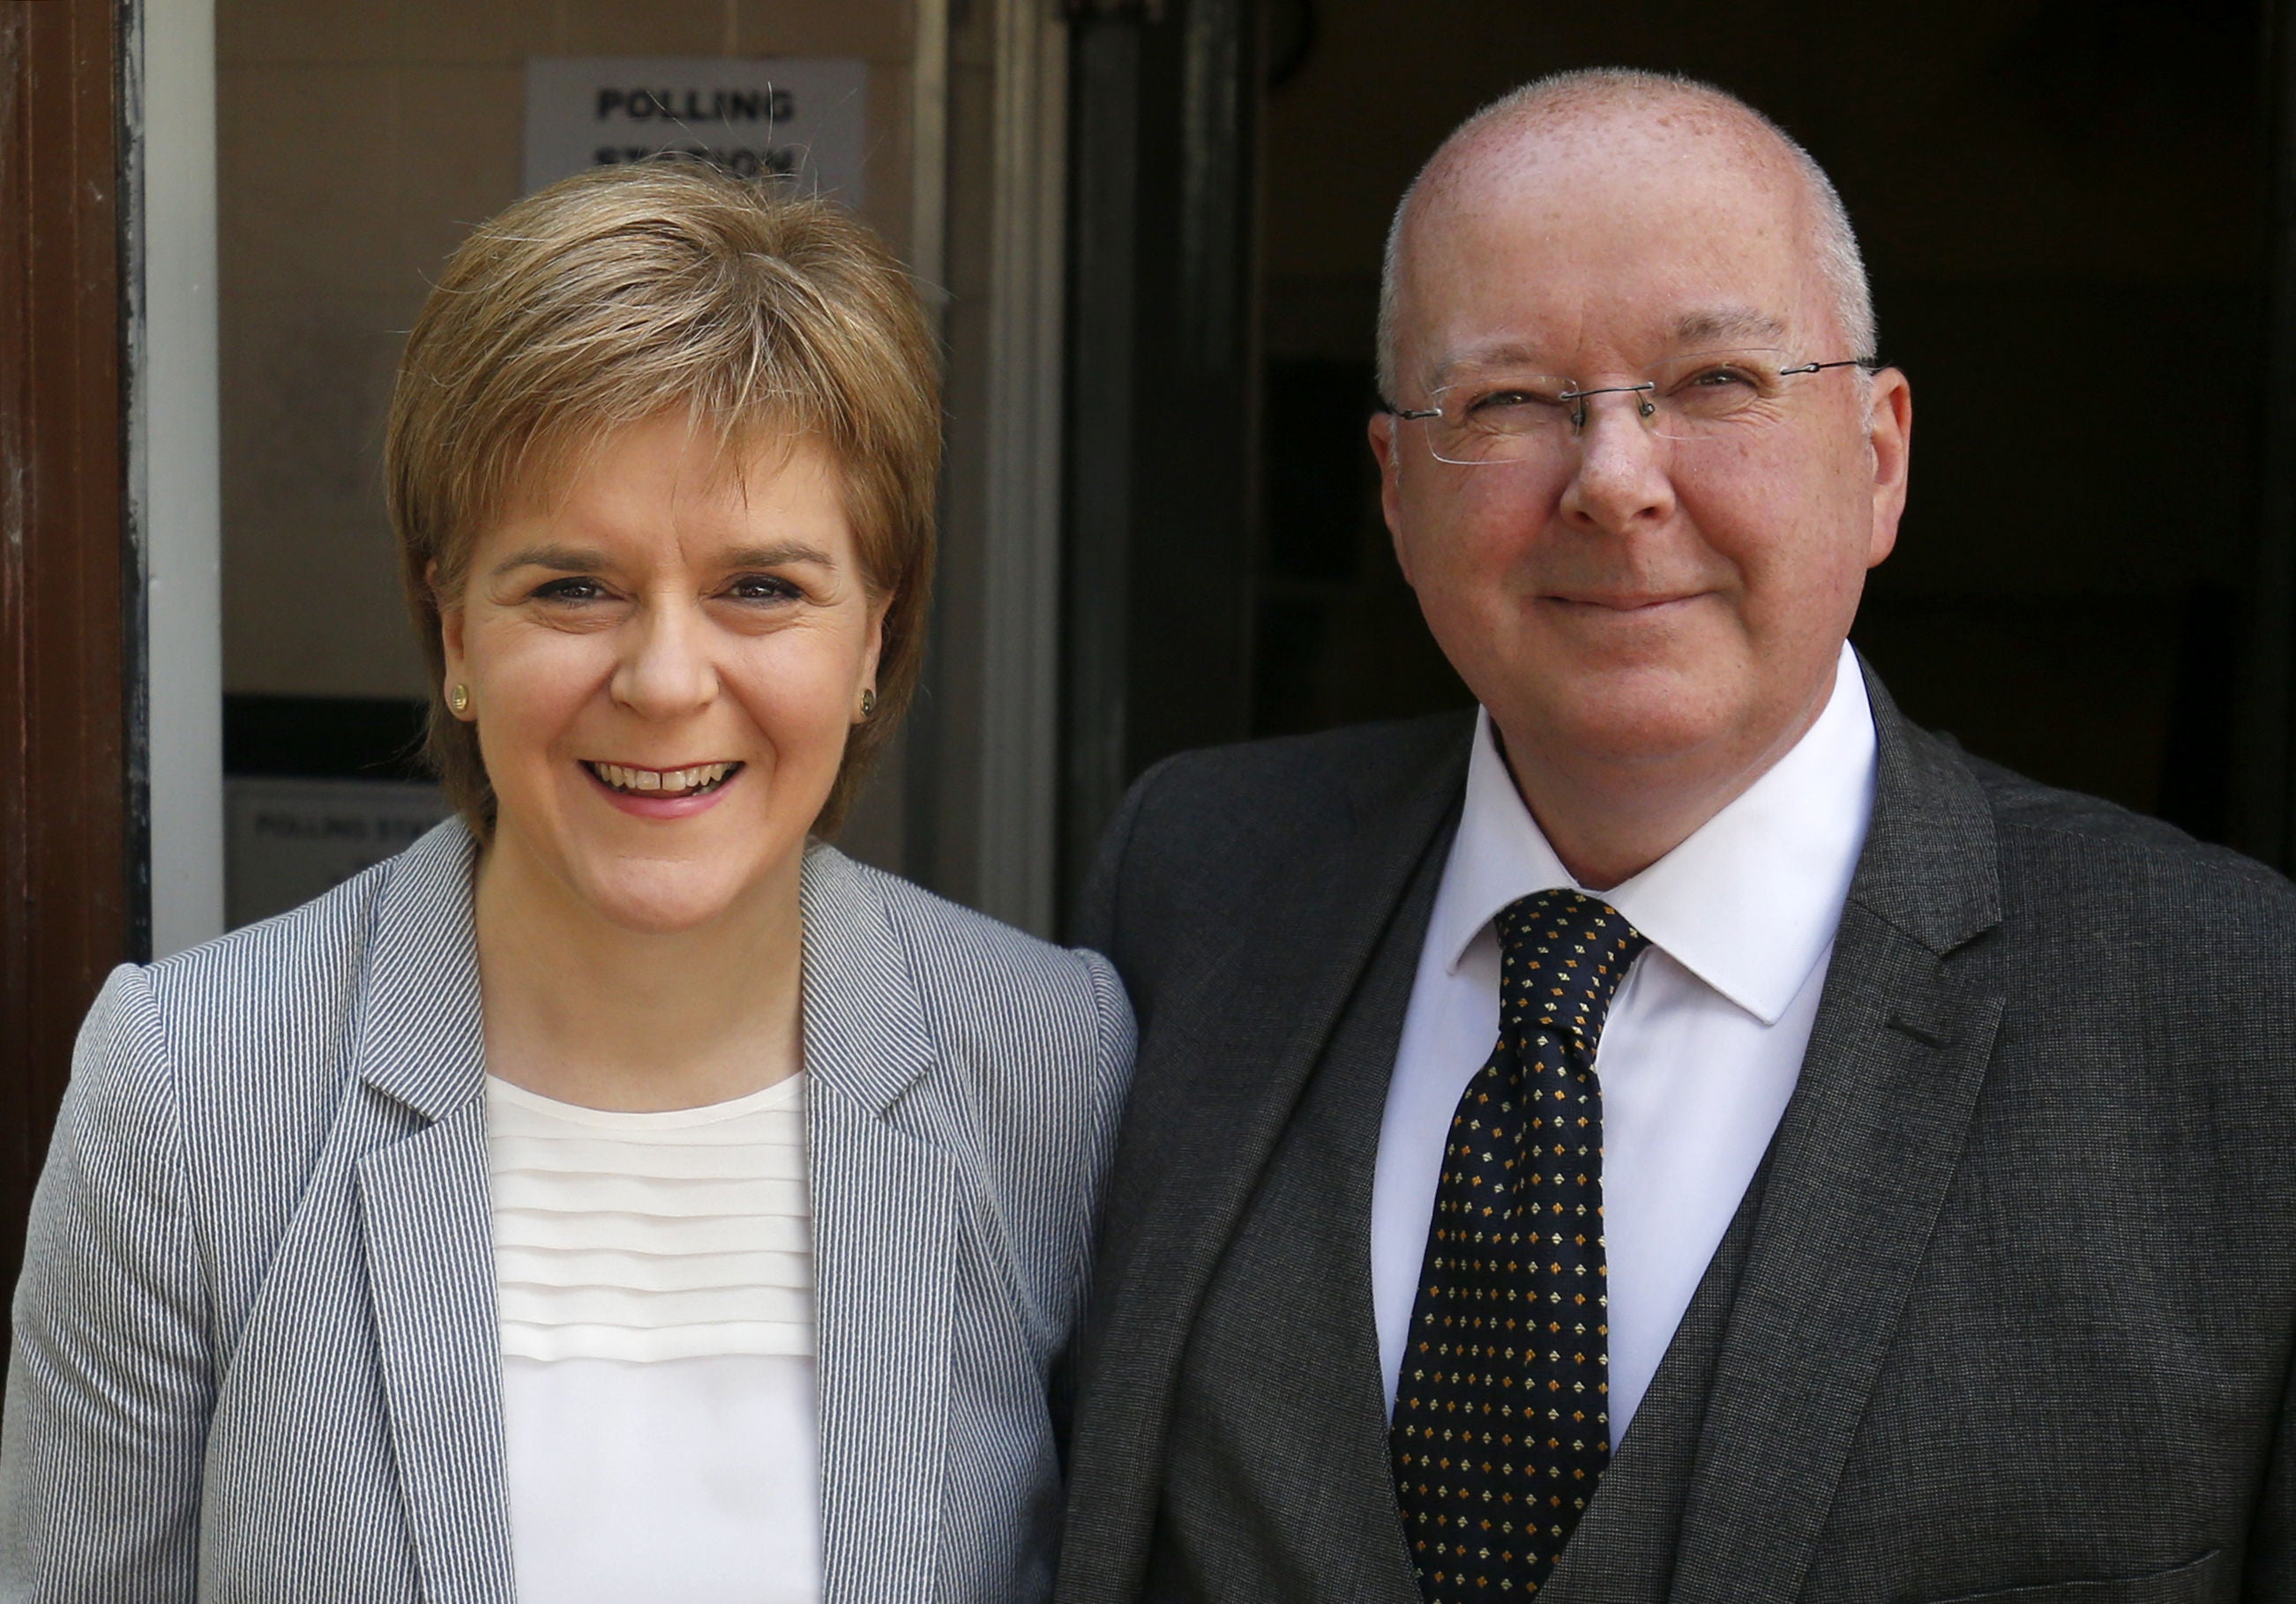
[64,882]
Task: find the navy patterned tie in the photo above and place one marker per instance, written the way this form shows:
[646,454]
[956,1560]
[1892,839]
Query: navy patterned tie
[1502,1412]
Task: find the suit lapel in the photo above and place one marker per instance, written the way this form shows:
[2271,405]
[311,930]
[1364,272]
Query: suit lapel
[1282,1375]
[1359,1062]
[885,1205]
[1236,1073]
[1862,1157]
[429,1263]
[1623,1551]
[426,1227]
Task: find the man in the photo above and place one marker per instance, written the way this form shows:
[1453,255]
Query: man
[1685,1133]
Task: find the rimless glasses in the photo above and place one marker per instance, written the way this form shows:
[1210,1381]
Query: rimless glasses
[1501,415]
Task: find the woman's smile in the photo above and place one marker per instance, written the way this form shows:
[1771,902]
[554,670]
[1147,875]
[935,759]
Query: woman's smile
[656,793]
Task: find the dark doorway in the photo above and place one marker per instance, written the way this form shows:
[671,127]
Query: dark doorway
[2053,197]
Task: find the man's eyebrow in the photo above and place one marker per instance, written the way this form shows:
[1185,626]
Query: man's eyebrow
[1728,322]
[1491,353]
[1718,325]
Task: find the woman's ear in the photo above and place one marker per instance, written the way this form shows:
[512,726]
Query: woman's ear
[874,647]
[450,626]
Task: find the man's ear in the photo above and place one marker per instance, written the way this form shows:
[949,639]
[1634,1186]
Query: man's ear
[1889,433]
[1387,449]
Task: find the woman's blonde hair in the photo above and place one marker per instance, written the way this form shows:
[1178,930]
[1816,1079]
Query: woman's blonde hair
[628,291]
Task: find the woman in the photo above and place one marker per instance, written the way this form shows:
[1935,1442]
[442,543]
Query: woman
[509,1216]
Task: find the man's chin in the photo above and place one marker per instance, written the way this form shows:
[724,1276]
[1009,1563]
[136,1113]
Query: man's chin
[1631,740]
[1646,716]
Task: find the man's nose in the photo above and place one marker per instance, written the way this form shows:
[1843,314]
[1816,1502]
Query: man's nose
[1621,480]
[666,669]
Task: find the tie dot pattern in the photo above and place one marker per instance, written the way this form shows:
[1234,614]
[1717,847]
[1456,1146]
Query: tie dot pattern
[1502,1413]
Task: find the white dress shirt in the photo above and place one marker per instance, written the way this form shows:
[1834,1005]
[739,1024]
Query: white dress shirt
[1704,1040]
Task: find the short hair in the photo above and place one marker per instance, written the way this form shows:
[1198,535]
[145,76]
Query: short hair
[632,291]
[1839,259]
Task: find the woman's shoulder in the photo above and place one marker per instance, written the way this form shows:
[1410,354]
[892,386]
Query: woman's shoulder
[278,957]
[1031,1043]
[963,961]
[309,955]
[222,1063]
[275,1004]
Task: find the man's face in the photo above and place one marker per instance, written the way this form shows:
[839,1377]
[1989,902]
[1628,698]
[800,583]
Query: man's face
[1618,597]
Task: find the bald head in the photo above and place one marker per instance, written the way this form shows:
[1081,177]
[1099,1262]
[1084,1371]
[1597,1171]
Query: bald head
[1590,111]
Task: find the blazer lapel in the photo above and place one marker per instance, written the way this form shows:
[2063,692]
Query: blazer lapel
[1862,1157]
[885,1205]
[428,1234]
[1315,934]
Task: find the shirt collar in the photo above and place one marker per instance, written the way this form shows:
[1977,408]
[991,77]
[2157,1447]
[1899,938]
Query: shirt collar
[1749,904]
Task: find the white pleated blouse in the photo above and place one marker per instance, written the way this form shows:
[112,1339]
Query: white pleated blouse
[655,1273]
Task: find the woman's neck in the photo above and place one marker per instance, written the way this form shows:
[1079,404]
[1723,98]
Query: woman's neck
[588,1012]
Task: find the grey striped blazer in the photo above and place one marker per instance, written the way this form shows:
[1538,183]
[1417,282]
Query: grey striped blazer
[256,1349]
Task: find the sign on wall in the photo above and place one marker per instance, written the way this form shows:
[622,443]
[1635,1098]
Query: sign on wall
[800,118]
[288,840]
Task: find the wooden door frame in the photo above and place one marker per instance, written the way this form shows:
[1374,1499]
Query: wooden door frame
[71,901]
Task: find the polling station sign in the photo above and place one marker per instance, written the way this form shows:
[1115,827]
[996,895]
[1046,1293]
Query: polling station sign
[799,118]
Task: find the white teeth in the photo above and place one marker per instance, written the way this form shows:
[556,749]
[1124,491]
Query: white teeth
[674,782]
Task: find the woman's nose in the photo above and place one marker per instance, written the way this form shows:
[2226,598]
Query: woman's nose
[665,668]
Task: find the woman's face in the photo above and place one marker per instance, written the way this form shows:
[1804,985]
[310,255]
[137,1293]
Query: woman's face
[665,652]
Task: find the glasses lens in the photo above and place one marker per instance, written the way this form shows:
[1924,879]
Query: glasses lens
[1712,393]
[1501,418]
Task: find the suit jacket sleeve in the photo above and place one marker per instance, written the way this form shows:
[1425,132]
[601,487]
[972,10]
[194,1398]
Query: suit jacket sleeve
[1111,1076]
[110,1386]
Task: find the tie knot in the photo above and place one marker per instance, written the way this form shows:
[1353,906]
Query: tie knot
[1562,955]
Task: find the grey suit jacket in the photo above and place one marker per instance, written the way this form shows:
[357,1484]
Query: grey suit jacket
[256,1339]
[2008,1317]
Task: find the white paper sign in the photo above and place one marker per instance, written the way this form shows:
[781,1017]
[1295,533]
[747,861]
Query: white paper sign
[286,842]
[803,119]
